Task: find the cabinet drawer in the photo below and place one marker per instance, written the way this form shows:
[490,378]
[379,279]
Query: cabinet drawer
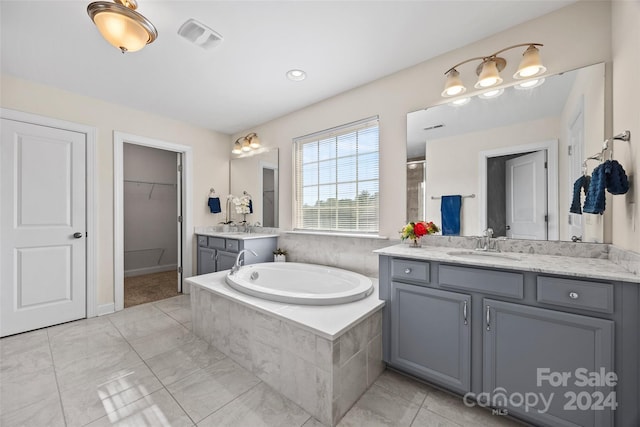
[231,245]
[216,242]
[593,296]
[202,241]
[493,282]
[413,271]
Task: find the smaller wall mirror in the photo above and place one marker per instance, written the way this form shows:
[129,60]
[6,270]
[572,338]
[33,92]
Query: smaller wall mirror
[256,173]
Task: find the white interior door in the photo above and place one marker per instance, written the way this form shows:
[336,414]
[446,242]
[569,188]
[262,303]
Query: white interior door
[42,226]
[526,198]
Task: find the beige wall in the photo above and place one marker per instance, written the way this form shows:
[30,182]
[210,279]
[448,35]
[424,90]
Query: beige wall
[211,152]
[626,116]
[460,175]
[574,36]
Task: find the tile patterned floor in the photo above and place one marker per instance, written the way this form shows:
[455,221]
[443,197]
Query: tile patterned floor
[143,367]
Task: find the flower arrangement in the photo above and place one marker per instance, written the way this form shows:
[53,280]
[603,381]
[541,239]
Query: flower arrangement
[280,255]
[280,251]
[242,204]
[415,230]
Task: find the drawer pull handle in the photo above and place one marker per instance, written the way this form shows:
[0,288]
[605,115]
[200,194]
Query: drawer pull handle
[464,313]
[407,271]
[573,295]
[488,318]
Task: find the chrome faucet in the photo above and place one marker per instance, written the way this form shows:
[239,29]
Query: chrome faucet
[238,263]
[484,241]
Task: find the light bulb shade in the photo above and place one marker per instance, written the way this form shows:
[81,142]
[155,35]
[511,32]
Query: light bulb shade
[237,148]
[489,76]
[254,141]
[453,86]
[531,64]
[122,27]
[246,146]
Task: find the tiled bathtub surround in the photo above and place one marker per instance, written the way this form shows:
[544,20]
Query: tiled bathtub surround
[323,374]
[348,252]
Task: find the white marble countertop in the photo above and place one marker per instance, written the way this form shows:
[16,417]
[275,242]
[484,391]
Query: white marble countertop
[328,321]
[590,268]
[239,235]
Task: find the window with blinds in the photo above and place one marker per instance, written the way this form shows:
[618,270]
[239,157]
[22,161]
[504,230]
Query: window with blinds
[336,179]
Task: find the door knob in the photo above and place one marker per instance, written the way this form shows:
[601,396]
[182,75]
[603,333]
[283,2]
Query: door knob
[77,235]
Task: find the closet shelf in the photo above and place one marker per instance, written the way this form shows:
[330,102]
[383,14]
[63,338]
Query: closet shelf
[152,184]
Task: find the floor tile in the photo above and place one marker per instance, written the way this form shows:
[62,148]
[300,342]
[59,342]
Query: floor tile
[66,350]
[44,412]
[426,418]
[180,362]
[404,386]
[20,343]
[259,407]
[101,396]
[133,314]
[182,315]
[209,389]
[380,407]
[312,422]
[18,390]
[453,408]
[171,304]
[166,339]
[146,326]
[96,368]
[154,410]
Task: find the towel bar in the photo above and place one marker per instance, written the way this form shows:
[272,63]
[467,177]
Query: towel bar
[470,196]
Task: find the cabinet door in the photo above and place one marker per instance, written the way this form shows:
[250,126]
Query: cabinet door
[225,260]
[519,340]
[206,260]
[430,334]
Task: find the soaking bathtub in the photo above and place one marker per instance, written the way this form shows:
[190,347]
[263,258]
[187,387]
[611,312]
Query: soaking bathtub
[321,356]
[297,283]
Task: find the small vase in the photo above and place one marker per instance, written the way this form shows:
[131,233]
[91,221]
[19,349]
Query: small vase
[279,258]
[415,243]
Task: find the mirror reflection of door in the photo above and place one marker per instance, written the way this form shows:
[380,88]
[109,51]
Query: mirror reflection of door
[268,197]
[517,195]
[416,187]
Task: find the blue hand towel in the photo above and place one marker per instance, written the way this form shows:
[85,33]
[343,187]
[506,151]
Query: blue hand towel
[581,184]
[214,204]
[450,210]
[617,181]
[595,201]
[250,206]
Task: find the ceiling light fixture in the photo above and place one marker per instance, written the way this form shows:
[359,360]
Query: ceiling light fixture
[489,69]
[247,143]
[296,75]
[121,25]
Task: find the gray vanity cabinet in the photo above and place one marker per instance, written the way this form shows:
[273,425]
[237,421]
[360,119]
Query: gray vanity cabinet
[218,253]
[431,335]
[206,260]
[519,339]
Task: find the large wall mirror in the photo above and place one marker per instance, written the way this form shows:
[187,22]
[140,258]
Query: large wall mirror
[512,157]
[256,174]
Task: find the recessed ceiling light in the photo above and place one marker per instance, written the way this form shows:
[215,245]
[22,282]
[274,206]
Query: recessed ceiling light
[296,75]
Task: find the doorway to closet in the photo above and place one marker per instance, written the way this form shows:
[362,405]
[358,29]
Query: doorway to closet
[182,215]
[151,206]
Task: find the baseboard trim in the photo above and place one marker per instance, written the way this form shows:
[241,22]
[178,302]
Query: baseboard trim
[149,270]
[105,309]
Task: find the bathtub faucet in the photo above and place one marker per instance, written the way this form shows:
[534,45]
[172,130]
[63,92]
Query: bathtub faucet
[238,263]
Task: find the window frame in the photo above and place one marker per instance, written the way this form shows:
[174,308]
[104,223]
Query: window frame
[298,190]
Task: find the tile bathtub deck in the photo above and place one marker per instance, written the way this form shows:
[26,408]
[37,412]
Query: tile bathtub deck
[143,367]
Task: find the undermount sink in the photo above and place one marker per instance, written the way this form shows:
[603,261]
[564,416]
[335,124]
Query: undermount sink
[483,254]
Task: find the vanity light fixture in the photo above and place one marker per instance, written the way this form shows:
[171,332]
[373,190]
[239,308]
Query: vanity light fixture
[121,25]
[530,84]
[247,143]
[461,101]
[489,69]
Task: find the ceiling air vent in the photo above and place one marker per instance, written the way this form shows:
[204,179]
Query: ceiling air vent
[199,34]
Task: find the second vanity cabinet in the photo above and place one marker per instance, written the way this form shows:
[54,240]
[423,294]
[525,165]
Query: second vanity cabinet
[218,253]
[489,331]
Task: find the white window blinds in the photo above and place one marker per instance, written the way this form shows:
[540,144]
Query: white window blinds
[336,179]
